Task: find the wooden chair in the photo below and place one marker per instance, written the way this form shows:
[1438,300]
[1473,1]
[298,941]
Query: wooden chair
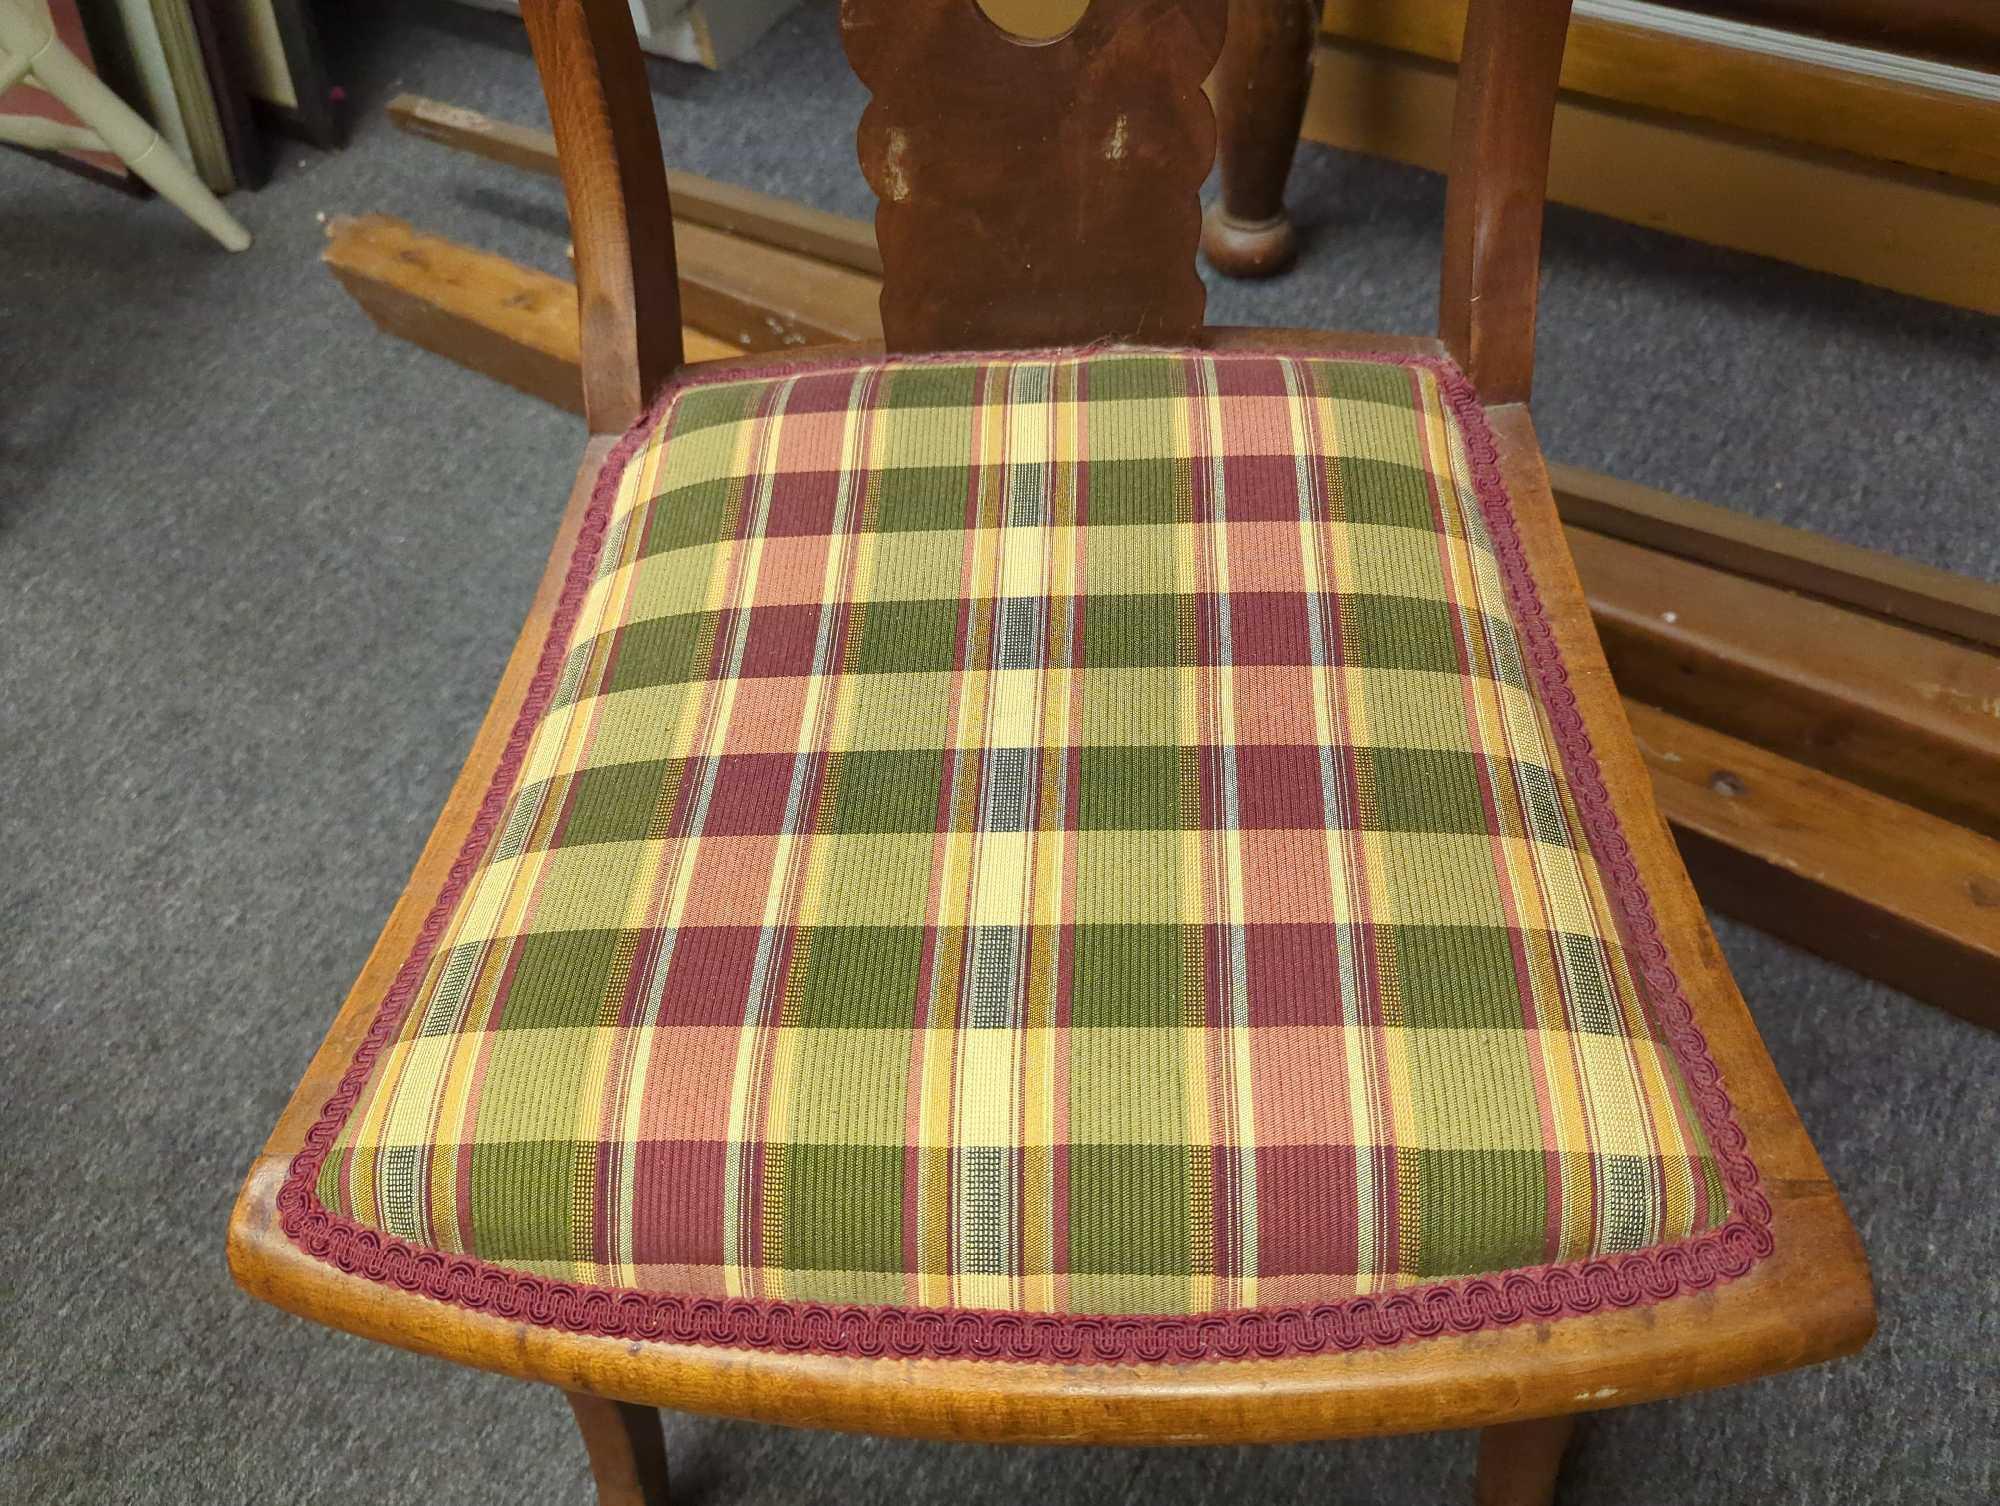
[1035,197]
[30,49]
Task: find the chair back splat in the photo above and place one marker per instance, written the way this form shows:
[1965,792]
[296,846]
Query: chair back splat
[1035,192]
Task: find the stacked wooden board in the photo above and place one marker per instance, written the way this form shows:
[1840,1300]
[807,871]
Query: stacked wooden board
[1822,722]
[1872,153]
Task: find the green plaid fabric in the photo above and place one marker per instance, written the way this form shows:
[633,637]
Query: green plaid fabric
[1068,834]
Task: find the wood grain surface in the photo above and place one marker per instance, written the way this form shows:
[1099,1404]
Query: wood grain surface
[1501,119]
[1893,892]
[1913,716]
[1036,194]
[620,220]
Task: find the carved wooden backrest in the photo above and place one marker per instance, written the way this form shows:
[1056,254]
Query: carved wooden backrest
[1036,192]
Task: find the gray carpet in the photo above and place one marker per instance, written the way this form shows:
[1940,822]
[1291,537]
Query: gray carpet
[259,567]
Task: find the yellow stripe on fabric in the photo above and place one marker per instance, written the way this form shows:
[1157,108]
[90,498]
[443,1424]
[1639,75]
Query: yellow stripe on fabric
[1235,1101]
[416,1067]
[984,1105]
[562,737]
[1126,559]
[948,854]
[709,454]
[1121,1049]
[801,855]
[1196,888]
[1404,708]
[1044,1075]
[405,1115]
[460,1095]
[1029,564]
[714,453]
[603,1080]
[1552,891]
[1399,874]
[1521,899]
[1570,1125]
[1676,1135]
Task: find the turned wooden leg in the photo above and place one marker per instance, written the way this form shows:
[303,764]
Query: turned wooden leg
[1259,91]
[628,1452]
[1519,1461]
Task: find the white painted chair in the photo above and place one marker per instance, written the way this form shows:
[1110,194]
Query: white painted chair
[29,47]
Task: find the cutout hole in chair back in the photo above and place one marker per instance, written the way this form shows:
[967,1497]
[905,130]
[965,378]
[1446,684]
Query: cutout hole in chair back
[1035,20]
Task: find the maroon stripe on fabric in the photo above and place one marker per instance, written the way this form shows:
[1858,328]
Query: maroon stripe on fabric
[802,503]
[1294,977]
[1307,1198]
[781,641]
[1538,1293]
[1278,789]
[1263,377]
[1261,488]
[749,794]
[1266,627]
[814,390]
[677,1201]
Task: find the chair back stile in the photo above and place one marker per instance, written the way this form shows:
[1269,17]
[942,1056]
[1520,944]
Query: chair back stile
[1034,192]
[620,217]
[1509,65]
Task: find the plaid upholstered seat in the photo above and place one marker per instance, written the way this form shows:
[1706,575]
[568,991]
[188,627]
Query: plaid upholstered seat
[1064,836]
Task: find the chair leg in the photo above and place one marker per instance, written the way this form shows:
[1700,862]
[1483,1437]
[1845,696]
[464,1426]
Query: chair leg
[628,1452]
[1519,1461]
[1260,89]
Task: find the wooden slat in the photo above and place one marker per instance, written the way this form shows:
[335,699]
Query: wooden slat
[510,322]
[1881,584]
[1892,892]
[1967,30]
[1790,100]
[529,148]
[1913,716]
[758,272]
[1915,233]
[759,297]
[756,216]
[784,223]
